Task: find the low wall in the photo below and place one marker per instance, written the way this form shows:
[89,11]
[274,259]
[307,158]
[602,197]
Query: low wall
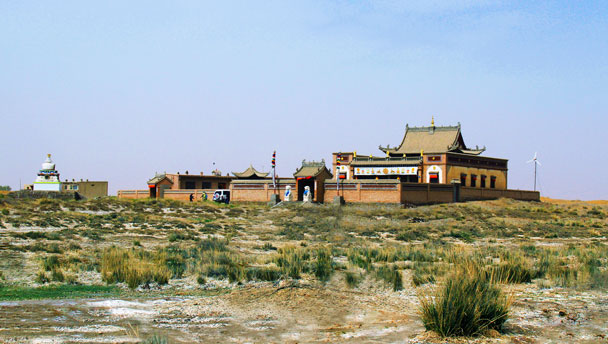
[133,194]
[353,191]
[472,194]
[184,194]
[30,194]
[259,190]
[414,193]
[364,191]
[393,191]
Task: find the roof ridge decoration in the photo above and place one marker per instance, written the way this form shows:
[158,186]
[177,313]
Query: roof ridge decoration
[158,177]
[250,172]
[313,163]
[431,139]
[311,168]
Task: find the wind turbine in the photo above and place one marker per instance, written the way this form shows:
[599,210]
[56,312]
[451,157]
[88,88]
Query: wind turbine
[536,162]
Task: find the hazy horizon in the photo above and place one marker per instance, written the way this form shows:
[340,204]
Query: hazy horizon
[117,91]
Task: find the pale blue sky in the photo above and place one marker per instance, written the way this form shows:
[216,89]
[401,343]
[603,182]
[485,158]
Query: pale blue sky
[117,90]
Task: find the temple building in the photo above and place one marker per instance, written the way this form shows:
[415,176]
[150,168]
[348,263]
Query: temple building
[312,174]
[431,165]
[48,177]
[434,155]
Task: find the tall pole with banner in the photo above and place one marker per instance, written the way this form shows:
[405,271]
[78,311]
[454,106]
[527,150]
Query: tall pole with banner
[338,164]
[274,165]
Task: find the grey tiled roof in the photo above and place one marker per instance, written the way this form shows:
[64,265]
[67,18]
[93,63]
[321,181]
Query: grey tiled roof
[250,172]
[432,140]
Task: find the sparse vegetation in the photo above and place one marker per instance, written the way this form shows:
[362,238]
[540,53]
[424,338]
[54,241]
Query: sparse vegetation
[205,246]
[133,267]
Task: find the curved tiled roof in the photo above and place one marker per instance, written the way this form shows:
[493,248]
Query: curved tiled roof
[311,169]
[251,172]
[158,178]
[432,140]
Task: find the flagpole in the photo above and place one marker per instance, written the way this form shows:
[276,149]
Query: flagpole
[338,163]
[274,175]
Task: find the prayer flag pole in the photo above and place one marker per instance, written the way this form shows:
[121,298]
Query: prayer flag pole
[274,164]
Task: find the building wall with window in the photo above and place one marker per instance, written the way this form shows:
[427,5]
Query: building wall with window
[194,181]
[87,189]
[474,177]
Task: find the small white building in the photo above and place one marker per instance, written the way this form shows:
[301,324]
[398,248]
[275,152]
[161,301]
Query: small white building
[48,177]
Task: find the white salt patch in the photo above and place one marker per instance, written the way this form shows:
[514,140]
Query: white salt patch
[127,312]
[372,333]
[90,329]
[115,303]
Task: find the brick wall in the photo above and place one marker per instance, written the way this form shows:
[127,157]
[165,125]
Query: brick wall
[387,191]
[470,194]
[426,193]
[133,194]
[259,190]
[364,191]
[184,194]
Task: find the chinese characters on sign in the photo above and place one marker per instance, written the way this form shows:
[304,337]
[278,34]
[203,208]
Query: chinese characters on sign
[385,171]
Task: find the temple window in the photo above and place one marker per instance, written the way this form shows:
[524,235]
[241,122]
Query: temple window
[483,181]
[473,180]
[463,179]
[492,182]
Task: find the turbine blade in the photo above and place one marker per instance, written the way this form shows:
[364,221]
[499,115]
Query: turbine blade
[538,162]
[529,161]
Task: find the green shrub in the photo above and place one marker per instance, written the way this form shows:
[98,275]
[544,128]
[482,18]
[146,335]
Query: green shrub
[175,262]
[362,261]
[54,248]
[391,276]
[57,275]
[511,272]
[222,264]
[268,247]
[156,339]
[292,261]
[42,277]
[50,263]
[420,279]
[411,234]
[211,244]
[352,279]
[133,267]
[322,266]
[5,212]
[462,235]
[174,236]
[466,305]
[263,273]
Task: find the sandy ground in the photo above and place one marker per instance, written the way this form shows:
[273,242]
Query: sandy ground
[293,313]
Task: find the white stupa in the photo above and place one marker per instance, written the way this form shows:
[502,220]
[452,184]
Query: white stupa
[48,177]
